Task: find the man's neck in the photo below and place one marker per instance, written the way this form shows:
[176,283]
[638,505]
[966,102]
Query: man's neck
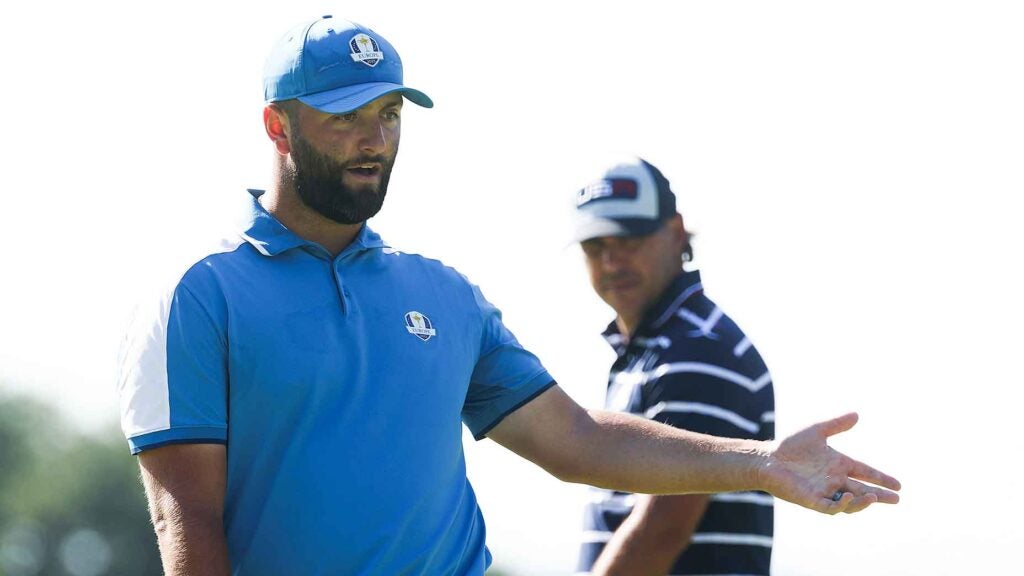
[289,210]
[627,326]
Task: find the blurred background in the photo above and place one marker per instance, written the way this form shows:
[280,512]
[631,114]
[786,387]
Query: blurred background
[853,172]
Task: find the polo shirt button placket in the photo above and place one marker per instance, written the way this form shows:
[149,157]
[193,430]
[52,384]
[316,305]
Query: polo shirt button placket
[343,293]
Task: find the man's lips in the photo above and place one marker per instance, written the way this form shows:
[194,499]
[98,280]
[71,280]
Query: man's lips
[620,284]
[364,170]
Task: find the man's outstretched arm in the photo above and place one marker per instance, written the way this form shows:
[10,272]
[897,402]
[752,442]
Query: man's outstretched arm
[628,453]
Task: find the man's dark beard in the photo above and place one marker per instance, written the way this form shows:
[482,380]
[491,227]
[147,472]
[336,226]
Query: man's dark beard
[318,180]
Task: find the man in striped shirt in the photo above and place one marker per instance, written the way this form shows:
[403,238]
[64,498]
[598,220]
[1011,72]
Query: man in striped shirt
[681,361]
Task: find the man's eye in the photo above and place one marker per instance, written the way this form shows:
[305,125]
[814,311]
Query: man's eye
[391,115]
[345,117]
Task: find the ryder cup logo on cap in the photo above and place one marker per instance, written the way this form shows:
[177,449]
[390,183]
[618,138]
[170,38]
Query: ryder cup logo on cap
[335,66]
[630,198]
[365,50]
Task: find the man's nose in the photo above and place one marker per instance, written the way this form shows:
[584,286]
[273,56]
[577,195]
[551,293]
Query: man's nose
[373,138]
[611,258]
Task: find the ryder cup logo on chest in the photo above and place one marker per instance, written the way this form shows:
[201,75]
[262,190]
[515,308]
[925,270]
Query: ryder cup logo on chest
[365,50]
[419,325]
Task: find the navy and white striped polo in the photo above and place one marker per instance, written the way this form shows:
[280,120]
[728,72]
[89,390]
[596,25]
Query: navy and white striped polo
[689,365]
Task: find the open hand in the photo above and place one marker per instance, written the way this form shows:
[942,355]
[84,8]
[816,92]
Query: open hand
[804,470]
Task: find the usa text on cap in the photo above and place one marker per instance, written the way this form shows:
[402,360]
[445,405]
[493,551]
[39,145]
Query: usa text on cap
[631,198]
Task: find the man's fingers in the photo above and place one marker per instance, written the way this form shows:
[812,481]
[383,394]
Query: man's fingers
[837,425]
[829,506]
[886,497]
[872,493]
[858,503]
[862,471]
[854,496]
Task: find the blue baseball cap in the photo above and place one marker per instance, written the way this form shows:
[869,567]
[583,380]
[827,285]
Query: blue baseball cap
[335,66]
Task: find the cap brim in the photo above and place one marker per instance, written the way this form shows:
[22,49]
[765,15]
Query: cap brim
[348,98]
[599,227]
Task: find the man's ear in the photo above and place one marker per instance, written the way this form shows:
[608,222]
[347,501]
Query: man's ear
[675,224]
[680,237]
[275,122]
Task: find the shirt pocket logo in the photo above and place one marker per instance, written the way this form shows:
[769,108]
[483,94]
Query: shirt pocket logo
[419,325]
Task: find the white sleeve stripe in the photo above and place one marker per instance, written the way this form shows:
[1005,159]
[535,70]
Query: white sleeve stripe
[742,347]
[744,498]
[726,538]
[763,380]
[706,410]
[595,536]
[142,382]
[604,497]
[710,370]
[730,574]
[768,417]
[599,536]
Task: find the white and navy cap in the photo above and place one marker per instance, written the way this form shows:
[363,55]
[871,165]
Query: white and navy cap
[631,198]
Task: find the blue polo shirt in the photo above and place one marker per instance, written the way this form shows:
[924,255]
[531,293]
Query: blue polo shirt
[340,386]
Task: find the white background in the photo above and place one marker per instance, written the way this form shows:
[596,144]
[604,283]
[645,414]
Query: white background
[853,172]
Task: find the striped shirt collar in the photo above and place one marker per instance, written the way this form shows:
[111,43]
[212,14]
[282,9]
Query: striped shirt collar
[271,238]
[682,288]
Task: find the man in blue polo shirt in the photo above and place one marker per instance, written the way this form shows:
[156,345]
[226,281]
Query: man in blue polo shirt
[296,395]
[680,361]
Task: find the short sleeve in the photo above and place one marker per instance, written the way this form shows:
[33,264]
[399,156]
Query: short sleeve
[173,371]
[506,375]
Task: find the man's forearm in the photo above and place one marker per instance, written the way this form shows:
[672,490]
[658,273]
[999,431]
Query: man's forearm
[190,545]
[632,454]
[185,489]
[652,537]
